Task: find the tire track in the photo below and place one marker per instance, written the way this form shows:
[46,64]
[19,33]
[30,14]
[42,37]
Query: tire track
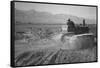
[54,57]
[47,61]
[43,59]
[59,56]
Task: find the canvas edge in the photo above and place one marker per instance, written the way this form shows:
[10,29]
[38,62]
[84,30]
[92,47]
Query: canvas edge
[12,50]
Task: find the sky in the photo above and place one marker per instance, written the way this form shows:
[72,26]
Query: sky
[79,11]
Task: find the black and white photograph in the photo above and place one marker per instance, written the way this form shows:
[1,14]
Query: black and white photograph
[53,33]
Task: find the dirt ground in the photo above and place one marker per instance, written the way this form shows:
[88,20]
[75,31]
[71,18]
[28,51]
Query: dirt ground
[50,52]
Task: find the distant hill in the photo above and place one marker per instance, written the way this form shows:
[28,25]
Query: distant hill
[33,16]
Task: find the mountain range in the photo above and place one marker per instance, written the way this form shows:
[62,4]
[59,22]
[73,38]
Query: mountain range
[33,16]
